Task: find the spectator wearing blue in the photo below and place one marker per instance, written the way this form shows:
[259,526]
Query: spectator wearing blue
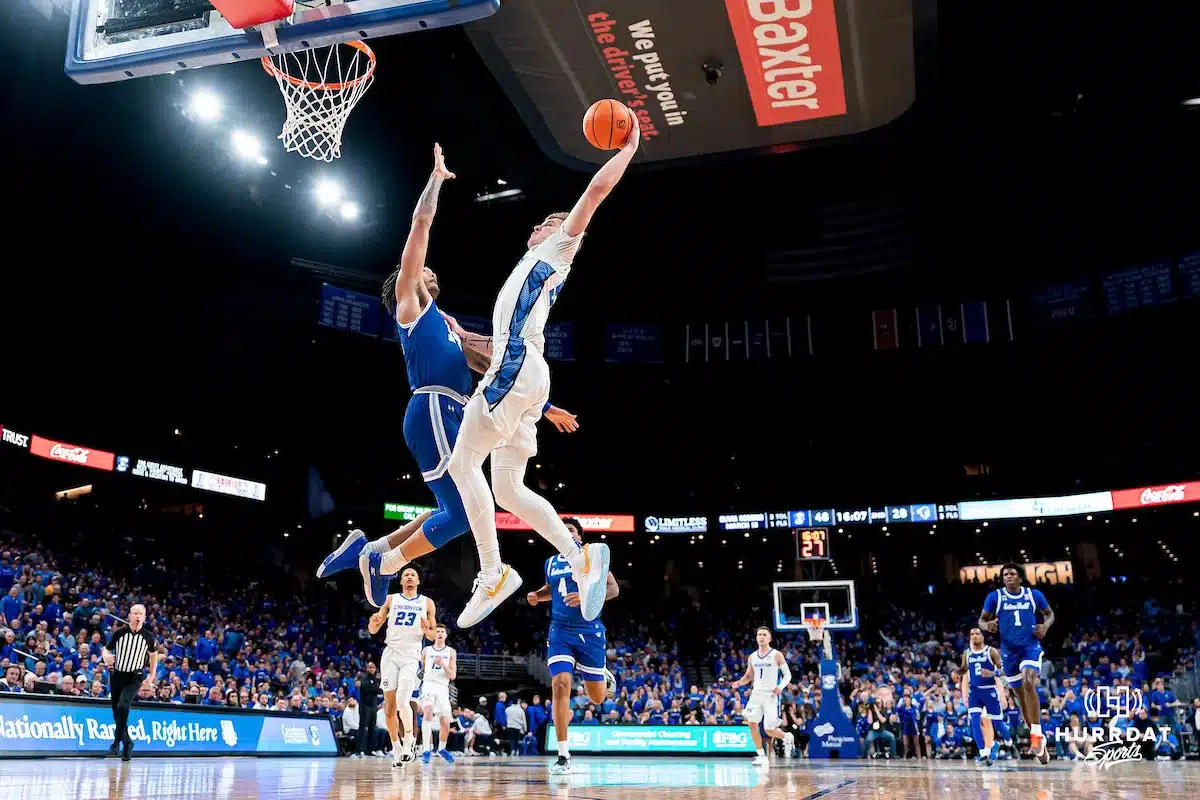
[1162,706]
[950,744]
[206,647]
[536,715]
[203,677]
[7,576]
[11,608]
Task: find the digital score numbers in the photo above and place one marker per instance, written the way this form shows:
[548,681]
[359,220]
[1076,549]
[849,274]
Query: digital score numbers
[812,544]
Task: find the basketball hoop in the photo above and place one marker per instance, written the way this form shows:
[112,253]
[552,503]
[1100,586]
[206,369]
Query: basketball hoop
[320,90]
[816,629]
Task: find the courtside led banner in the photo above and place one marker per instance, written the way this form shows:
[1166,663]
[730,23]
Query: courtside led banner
[1091,503]
[1157,495]
[599,523]
[32,727]
[659,739]
[1052,572]
[791,58]
[225,484]
[71,453]
[403,511]
[154,470]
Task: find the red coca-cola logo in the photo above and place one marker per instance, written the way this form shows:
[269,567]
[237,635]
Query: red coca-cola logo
[1169,494]
[72,453]
[1157,495]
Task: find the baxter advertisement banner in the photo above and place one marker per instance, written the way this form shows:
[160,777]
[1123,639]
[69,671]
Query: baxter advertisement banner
[32,727]
[658,739]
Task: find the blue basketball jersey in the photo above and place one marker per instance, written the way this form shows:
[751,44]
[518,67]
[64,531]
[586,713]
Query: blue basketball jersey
[1016,614]
[976,664]
[433,355]
[561,583]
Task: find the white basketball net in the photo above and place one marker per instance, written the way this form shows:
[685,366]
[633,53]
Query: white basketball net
[320,88]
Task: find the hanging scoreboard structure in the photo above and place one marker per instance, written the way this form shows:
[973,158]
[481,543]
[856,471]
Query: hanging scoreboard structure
[812,544]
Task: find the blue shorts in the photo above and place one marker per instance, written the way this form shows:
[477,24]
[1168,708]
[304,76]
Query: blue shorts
[431,424]
[1016,658]
[985,701]
[568,651]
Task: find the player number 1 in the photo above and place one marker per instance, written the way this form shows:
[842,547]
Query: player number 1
[1017,618]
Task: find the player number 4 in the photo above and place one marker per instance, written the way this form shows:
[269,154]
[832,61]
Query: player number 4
[562,587]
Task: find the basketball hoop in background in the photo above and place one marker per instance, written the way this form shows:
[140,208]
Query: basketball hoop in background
[818,633]
[320,88]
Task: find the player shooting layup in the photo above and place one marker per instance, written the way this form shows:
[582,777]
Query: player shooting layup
[768,672]
[439,357]
[410,619]
[1012,611]
[499,419]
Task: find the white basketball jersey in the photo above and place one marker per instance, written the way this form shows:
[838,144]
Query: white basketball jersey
[523,305]
[436,675]
[404,626]
[766,672]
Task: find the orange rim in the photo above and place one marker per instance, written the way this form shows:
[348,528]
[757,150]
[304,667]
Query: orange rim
[274,71]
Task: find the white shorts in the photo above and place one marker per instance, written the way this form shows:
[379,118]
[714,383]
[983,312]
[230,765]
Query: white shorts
[436,696]
[398,673]
[501,418]
[764,708]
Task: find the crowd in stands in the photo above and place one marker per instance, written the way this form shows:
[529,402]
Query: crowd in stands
[248,647]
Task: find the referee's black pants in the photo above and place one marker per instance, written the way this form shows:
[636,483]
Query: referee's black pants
[124,689]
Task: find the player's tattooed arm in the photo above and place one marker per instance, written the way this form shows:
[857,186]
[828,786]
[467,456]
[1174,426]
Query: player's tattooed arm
[475,346]
[988,622]
[542,595]
[412,260]
[1047,620]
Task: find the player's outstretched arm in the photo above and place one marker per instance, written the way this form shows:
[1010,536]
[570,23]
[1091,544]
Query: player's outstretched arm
[603,182]
[566,422]
[412,260]
[379,617]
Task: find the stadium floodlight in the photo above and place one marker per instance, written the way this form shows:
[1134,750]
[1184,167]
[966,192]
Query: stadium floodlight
[246,146]
[261,161]
[205,106]
[328,193]
[349,211]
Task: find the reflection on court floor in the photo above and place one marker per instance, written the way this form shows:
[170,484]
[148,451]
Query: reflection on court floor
[593,779]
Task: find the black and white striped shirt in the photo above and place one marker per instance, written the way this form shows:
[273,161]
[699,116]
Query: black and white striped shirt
[130,650]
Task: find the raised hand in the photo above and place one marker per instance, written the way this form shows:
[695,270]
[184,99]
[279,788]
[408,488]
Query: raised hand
[439,164]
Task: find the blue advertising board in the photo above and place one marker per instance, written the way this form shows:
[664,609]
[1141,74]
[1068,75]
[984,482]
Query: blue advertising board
[32,726]
[658,739]
[350,311]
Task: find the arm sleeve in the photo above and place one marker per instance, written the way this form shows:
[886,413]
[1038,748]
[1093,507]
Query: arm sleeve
[785,673]
[546,407]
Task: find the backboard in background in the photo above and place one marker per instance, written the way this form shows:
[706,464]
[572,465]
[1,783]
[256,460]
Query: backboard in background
[115,40]
[833,601]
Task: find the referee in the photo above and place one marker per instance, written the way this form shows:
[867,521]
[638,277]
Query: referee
[125,656]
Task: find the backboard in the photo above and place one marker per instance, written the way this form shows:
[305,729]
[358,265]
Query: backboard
[115,40]
[832,601]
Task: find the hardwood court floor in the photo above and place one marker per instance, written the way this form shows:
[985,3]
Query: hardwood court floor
[593,779]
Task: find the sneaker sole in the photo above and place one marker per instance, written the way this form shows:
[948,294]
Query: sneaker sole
[351,540]
[596,592]
[364,569]
[511,584]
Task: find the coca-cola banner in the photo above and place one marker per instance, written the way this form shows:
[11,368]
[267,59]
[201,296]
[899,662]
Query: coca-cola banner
[71,453]
[1157,495]
[597,523]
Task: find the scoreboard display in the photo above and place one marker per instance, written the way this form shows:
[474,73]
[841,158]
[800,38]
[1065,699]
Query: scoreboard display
[812,544]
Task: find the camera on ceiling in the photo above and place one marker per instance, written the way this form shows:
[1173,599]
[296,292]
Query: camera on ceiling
[712,71]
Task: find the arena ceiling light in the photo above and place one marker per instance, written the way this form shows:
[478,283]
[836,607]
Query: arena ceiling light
[204,106]
[349,211]
[328,193]
[246,145]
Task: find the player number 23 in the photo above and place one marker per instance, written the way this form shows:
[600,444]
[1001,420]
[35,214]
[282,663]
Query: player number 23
[406,618]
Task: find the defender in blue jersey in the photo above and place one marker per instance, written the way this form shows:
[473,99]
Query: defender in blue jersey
[573,644]
[439,373]
[980,684]
[1012,611]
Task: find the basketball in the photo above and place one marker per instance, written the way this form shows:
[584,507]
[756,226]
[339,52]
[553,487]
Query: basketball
[607,124]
